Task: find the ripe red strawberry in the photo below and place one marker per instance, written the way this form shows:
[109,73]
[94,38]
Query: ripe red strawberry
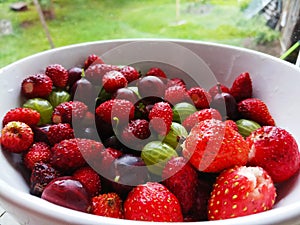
[242,87]
[176,82]
[38,152]
[109,205]
[59,132]
[241,191]
[92,59]
[232,124]
[67,112]
[152,202]
[215,89]
[256,110]
[177,170]
[26,115]
[36,86]
[211,146]
[66,155]
[199,116]
[275,150]
[58,74]
[113,80]
[90,179]
[161,116]
[130,73]
[95,72]
[16,137]
[136,131]
[120,109]
[200,97]
[41,175]
[155,71]
[176,94]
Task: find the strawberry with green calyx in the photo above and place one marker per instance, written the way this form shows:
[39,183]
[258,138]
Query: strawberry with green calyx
[241,191]
[152,202]
[211,146]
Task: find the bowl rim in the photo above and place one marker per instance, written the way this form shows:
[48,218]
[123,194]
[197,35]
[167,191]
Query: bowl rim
[46,209]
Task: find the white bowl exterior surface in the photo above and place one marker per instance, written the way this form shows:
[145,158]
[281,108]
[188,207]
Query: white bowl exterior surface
[274,81]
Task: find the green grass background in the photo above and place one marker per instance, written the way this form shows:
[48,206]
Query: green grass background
[79,21]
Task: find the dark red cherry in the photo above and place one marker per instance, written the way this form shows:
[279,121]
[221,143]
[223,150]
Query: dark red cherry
[151,86]
[225,103]
[68,192]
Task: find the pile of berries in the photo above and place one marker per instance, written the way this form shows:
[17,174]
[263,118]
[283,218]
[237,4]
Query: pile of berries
[110,141]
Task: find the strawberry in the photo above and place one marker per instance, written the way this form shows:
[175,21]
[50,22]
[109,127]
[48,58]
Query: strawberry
[41,175]
[58,74]
[155,71]
[26,115]
[109,205]
[176,94]
[130,73]
[199,116]
[175,171]
[67,112]
[242,87]
[38,152]
[175,82]
[232,124]
[152,202]
[200,97]
[120,109]
[113,80]
[136,131]
[256,110]
[95,72]
[36,86]
[92,59]
[241,191]
[161,116]
[90,179]
[275,150]
[211,146]
[215,89]
[59,132]
[16,137]
[67,156]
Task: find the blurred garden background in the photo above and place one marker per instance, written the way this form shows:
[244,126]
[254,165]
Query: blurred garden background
[75,21]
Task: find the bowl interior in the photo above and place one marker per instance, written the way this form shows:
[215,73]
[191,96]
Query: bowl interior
[274,81]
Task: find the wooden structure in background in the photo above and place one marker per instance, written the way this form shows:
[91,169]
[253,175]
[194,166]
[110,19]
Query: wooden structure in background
[290,25]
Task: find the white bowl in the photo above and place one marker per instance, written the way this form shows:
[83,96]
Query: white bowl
[274,81]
